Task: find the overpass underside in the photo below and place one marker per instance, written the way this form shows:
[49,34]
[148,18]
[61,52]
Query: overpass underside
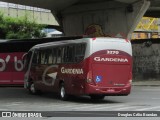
[111,18]
[115,18]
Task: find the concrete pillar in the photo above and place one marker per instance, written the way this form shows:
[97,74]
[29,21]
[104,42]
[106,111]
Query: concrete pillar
[133,19]
[115,19]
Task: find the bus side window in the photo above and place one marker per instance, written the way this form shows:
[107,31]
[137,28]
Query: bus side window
[34,61]
[42,57]
[69,54]
[50,57]
[39,57]
[80,52]
[66,58]
[54,54]
[59,55]
[63,54]
[46,56]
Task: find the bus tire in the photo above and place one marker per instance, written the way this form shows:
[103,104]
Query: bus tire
[97,97]
[32,89]
[63,95]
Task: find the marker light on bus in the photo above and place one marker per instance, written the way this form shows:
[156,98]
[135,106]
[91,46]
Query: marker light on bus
[89,80]
[89,77]
[130,81]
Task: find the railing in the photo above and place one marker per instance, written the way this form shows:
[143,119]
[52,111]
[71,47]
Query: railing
[17,6]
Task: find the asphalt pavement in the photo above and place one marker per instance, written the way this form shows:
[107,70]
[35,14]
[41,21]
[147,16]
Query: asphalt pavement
[146,83]
[144,97]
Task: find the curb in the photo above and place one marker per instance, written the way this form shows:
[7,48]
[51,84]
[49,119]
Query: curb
[146,85]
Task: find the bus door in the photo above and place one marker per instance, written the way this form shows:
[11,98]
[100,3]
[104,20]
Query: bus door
[36,69]
[111,67]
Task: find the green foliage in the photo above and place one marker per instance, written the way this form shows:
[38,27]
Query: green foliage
[19,28]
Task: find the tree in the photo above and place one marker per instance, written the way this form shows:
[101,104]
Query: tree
[19,28]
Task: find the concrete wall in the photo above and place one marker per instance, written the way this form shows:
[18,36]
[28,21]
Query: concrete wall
[146,59]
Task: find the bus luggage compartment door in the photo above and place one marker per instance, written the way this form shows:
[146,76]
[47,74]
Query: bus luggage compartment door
[111,75]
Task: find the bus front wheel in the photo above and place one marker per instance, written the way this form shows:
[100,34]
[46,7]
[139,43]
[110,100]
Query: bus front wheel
[63,95]
[32,89]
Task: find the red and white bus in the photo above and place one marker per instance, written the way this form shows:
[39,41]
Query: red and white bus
[97,67]
[11,58]
[11,65]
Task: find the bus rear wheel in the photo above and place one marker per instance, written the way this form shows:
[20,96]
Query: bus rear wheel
[63,95]
[97,97]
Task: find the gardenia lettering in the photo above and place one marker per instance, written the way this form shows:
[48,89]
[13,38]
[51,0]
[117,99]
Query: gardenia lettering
[111,59]
[71,71]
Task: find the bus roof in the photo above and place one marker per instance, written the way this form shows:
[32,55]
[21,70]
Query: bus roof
[77,40]
[57,43]
[51,39]
[23,45]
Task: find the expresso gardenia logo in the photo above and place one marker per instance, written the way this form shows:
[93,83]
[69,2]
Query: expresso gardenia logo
[71,71]
[111,59]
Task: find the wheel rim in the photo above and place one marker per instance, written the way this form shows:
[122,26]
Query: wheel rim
[62,92]
[32,88]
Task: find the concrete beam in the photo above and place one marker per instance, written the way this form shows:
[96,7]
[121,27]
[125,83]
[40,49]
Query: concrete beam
[103,19]
[47,4]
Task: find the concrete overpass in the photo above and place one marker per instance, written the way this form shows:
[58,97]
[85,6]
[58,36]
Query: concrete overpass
[104,17]
[62,4]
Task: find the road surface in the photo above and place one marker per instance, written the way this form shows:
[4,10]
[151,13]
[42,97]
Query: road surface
[142,98]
